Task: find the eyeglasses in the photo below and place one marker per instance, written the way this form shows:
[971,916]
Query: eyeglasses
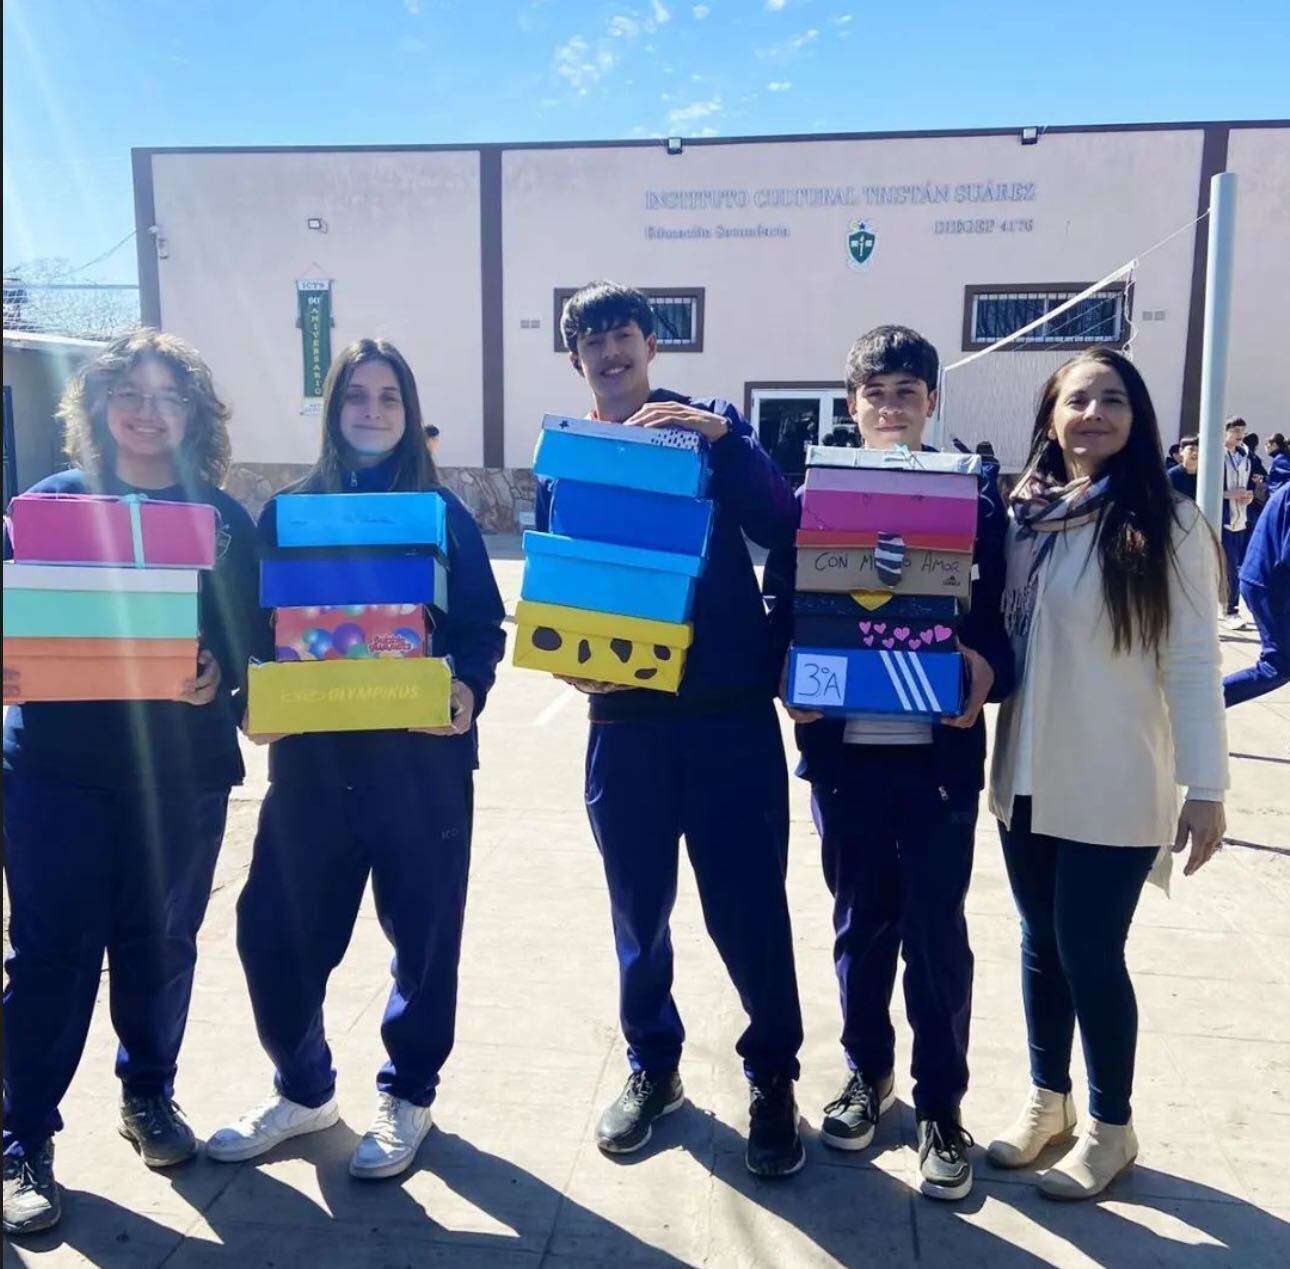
[169,405]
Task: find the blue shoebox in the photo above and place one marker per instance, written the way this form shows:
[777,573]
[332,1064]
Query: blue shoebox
[363,519]
[604,577]
[314,581]
[631,517]
[846,681]
[667,460]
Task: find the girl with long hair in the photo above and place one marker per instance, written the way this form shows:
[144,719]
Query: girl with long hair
[392,805]
[1109,600]
[114,810]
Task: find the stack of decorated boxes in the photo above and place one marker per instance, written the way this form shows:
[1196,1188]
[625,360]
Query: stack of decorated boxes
[349,583]
[101,599]
[607,593]
[884,571]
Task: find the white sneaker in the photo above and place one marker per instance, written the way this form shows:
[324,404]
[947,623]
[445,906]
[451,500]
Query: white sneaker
[1234,621]
[274,1120]
[1047,1117]
[389,1145]
[1101,1154]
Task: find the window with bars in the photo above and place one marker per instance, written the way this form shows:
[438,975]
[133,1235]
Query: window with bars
[991,313]
[678,317]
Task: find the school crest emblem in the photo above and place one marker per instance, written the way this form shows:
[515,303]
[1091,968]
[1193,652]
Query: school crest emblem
[860,242]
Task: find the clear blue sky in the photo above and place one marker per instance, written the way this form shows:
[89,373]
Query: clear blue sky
[85,80]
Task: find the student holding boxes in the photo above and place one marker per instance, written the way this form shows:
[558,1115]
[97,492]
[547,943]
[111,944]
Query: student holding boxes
[120,747]
[892,596]
[379,781]
[648,527]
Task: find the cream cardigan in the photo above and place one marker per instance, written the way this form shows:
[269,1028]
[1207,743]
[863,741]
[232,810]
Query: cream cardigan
[1115,734]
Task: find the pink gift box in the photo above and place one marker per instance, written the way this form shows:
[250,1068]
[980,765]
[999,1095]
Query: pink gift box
[97,529]
[356,631]
[926,506]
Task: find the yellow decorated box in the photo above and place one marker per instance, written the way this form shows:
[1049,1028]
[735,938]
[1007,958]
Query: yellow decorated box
[348,695]
[601,646]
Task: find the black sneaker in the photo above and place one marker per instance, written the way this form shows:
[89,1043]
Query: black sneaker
[851,1118]
[774,1144]
[31,1198]
[158,1130]
[944,1167]
[628,1123]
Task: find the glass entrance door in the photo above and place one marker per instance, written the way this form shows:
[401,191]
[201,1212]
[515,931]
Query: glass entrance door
[788,419]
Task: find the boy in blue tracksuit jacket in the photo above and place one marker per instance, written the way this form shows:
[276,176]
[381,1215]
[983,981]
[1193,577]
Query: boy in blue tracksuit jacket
[1265,587]
[896,804]
[707,764]
[393,805]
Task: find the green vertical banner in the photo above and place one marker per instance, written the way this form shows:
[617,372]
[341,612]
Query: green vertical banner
[313,299]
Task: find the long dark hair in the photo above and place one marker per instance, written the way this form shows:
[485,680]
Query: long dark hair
[1134,531]
[414,468]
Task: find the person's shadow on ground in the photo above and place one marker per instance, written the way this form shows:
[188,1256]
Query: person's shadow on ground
[862,1215]
[255,1221]
[849,1209]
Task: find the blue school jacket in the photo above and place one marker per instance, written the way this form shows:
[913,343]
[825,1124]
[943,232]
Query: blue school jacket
[729,664]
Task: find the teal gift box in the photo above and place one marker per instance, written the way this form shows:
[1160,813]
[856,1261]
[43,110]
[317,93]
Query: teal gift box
[363,519]
[666,460]
[603,577]
[43,601]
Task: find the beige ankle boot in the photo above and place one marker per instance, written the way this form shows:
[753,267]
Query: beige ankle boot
[1047,1117]
[1096,1159]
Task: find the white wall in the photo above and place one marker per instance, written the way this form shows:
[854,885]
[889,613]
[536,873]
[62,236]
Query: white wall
[1258,380]
[404,249]
[402,246]
[787,308]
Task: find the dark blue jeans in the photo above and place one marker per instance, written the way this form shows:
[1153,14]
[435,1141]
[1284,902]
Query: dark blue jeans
[127,872]
[897,856]
[1076,902]
[719,781]
[1233,554]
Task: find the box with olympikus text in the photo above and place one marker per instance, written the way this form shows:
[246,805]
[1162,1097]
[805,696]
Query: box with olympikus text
[286,698]
[667,460]
[98,529]
[363,519]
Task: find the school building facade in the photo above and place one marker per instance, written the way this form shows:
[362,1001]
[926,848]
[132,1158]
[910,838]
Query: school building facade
[764,256]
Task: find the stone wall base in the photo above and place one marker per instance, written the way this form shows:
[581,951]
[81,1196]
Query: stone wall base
[497,497]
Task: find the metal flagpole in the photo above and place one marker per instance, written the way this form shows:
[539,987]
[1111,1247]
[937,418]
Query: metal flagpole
[1213,367]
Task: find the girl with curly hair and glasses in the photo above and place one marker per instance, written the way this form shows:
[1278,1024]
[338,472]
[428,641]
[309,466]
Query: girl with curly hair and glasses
[114,810]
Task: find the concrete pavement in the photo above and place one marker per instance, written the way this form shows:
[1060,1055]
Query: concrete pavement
[511,1176]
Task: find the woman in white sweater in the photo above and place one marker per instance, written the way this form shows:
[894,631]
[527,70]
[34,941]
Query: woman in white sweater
[1112,579]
